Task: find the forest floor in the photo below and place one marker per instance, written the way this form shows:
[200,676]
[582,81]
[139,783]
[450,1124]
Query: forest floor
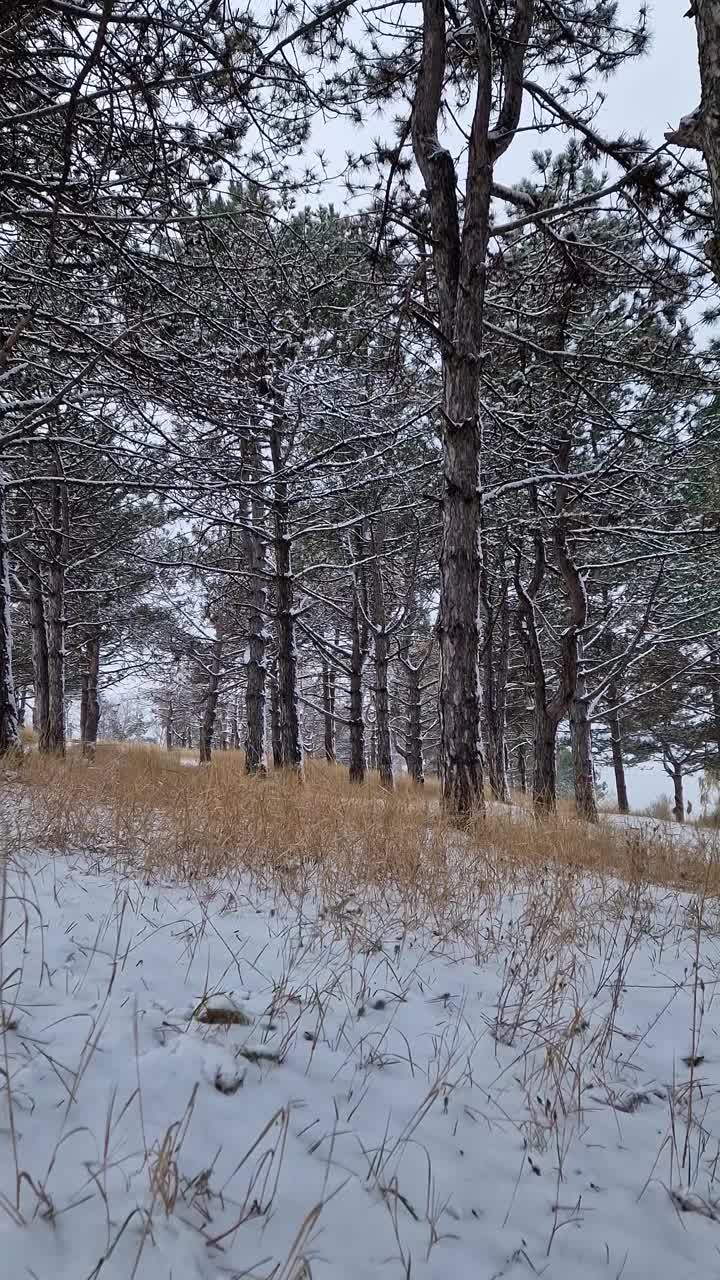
[257,1030]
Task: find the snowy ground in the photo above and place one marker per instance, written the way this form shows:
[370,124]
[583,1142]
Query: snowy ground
[212,1082]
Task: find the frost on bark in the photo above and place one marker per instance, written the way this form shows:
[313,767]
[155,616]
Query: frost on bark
[207,724]
[255,688]
[459,259]
[56,621]
[700,130]
[9,723]
[287,658]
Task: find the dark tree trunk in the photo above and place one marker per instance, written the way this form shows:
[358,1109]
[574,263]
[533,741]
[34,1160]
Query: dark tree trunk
[22,705]
[544,763]
[461,767]
[275,734]
[169,725]
[90,722]
[459,257]
[207,724]
[522,767]
[381,655]
[357,721]
[41,676]
[56,622]
[581,747]
[235,728]
[328,688]
[414,743]
[617,752]
[255,687]
[9,724]
[495,668]
[287,660]
[700,129]
[678,795]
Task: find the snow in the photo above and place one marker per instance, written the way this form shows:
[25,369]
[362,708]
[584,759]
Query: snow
[218,1080]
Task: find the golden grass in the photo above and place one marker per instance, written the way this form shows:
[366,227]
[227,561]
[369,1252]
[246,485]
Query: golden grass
[146,805]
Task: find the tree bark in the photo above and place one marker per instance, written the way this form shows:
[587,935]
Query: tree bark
[235,729]
[459,258]
[275,733]
[357,720]
[169,725]
[41,675]
[90,722]
[581,747]
[617,752]
[461,765]
[255,687]
[678,795]
[701,129]
[495,665]
[287,659]
[414,744]
[56,621]
[522,767]
[328,689]
[207,724]
[9,723]
[544,763]
[381,656]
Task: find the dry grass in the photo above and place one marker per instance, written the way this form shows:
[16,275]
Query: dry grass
[560,910]
[146,805]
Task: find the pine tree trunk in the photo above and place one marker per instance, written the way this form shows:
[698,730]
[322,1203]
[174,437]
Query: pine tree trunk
[414,744]
[207,724]
[56,621]
[382,710]
[41,675]
[461,768]
[544,763]
[22,705]
[700,129]
[169,725]
[89,730]
[255,687]
[381,655]
[9,724]
[287,661]
[328,688]
[56,657]
[275,733]
[235,729]
[679,798]
[357,722]
[617,752]
[581,746]
[522,767]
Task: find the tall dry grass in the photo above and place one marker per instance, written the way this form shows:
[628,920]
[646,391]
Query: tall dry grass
[150,807]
